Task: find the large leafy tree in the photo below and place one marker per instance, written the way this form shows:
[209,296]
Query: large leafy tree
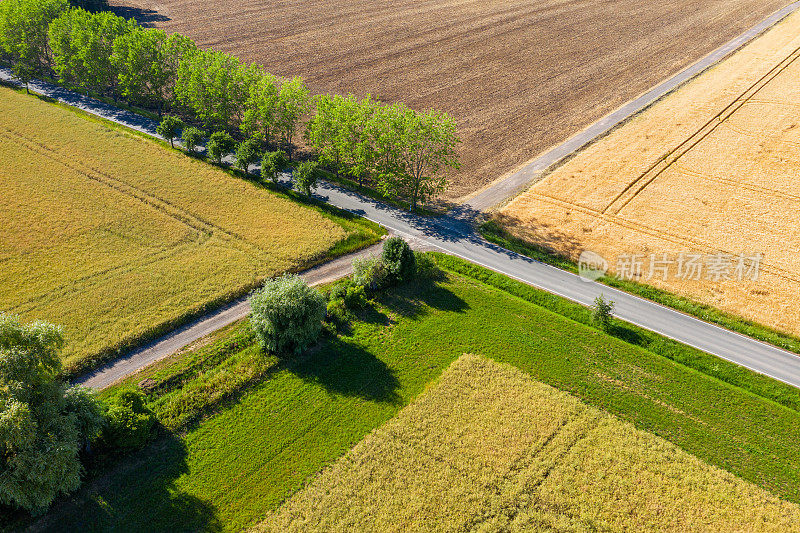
[261,109]
[417,149]
[23,34]
[294,102]
[43,423]
[286,315]
[143,73]
[340,132]
[322,132]
[215,86]
[83,44]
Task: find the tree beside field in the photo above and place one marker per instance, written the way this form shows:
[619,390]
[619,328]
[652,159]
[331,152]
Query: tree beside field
[272,164]
[215,86]
[219,145]
[146,62]
[247,154]
[405,153]
[306,177]
[24,37]
[83,44]
[192,138]
[294,102]
[419,149]
[43,423]
[169,128]
[261,109]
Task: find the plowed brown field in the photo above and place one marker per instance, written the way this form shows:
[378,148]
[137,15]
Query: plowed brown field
[518,75]
[711,170]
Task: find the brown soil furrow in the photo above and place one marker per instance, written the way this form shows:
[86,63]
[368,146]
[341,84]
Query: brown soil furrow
[518,76]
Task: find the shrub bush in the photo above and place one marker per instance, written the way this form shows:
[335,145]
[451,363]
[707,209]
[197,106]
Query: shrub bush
[129,421]
[355,297]
[426,266]
[336,312]
[370,273]
[339,291]
[286,315]
[602,313]
[399,259]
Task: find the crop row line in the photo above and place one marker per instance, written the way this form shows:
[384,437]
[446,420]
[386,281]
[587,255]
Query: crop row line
[660,234]
[658,168]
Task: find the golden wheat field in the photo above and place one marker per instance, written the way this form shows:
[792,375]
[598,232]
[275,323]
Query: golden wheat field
[518,75]
[489,449]
[111,235]
[707,176]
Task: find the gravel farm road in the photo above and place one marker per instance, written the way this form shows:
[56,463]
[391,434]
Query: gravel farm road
[454,234]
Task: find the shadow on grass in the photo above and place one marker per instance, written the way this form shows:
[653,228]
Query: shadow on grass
[628,334]
[137,494]
[343,367]
[410,299]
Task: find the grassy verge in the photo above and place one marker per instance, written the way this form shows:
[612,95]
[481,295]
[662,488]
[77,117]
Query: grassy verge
[494,233]
[241,445]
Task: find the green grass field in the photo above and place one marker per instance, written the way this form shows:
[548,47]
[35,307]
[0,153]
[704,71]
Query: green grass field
[118,238]
[242,444]
[489,449]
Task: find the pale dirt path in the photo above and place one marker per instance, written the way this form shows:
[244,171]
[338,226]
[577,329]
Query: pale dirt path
[236,310]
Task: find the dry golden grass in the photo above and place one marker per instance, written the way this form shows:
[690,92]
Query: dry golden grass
[726,185]
[110,234]
[518,75]
[489,449]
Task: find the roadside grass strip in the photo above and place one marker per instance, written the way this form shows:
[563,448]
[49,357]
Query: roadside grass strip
[119,239]
[489,449]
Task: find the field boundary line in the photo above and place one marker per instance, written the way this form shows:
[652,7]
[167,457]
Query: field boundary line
[666,161]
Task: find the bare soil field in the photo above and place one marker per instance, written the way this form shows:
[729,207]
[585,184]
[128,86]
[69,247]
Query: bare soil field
[113,236]
[489,449]
[519,75]
[711,170]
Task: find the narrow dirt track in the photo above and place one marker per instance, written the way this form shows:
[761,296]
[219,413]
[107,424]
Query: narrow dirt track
[518,75]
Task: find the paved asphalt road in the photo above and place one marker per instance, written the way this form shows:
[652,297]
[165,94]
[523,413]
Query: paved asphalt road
[454,234]
[506,188]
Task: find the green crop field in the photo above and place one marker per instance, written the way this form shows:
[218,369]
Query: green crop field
[116,237]
[489,449]
[245,431]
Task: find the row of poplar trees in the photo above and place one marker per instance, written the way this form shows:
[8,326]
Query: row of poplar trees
[401,152]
